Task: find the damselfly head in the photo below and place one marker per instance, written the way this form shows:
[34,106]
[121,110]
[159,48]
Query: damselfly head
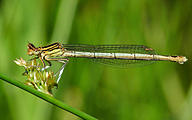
[32,50]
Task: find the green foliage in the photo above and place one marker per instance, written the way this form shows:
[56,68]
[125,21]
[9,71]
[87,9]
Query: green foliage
[158,91]
[41,93]
[42,81]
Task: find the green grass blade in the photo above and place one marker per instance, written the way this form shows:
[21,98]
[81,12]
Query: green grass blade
[47,98]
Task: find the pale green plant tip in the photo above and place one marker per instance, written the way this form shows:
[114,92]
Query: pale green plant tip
[42,81]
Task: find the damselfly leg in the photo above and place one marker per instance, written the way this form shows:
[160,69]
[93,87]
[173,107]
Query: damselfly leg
[62,60]
[47,59]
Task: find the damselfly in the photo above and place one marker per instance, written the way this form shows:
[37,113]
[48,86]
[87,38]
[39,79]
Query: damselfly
[123,56]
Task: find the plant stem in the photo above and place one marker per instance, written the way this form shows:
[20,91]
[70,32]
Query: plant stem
[47,98]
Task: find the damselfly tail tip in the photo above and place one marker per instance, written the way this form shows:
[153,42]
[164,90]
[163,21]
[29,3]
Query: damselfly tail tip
[185,59]
[182,60]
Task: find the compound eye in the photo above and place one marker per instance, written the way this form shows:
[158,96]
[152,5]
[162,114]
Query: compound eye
[31,46]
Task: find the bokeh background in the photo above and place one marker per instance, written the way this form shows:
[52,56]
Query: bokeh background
[161,91]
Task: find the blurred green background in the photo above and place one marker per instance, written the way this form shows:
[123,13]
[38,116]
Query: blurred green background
[161,91]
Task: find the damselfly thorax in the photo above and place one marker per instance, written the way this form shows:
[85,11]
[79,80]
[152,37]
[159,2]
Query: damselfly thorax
[122,56]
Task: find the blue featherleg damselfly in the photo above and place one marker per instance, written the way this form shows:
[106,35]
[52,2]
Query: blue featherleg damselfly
[122,56]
